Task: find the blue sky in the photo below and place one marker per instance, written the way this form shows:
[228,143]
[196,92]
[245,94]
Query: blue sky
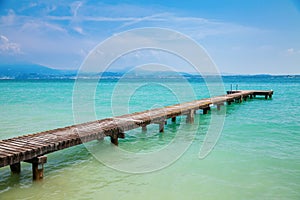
[244,37]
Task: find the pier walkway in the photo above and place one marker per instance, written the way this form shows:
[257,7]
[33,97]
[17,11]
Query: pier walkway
[32,148]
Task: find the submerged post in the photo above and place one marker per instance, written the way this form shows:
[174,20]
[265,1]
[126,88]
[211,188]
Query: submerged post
[15,168]
[115,138]
[161,126]
[38,167]
[144,128]
[173,119]
[190,117]
[205,110]
[219,106]
[229,102]
[240,99]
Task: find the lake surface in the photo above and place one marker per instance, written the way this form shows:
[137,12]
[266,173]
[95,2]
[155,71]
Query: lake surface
[256,157]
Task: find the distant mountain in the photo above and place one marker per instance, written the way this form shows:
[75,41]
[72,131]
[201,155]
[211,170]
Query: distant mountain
[35,71]
[32,71]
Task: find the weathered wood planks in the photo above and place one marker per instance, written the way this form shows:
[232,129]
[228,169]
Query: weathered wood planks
[28,147]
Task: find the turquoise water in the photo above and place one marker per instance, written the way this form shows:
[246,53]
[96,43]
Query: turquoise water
[256,157]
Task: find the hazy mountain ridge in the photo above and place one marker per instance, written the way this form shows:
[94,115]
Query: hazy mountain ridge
[32,71]
[35,71]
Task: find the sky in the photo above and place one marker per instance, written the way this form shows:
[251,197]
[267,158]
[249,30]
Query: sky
[241,37]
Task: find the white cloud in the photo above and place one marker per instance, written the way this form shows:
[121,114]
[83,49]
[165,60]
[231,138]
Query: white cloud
[38,27]
[195,27]
[292,51]
[8,19]
[7,47]
[75,7]
[155,17]
[78,30]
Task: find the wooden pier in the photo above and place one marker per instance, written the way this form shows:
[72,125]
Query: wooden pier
[32,148]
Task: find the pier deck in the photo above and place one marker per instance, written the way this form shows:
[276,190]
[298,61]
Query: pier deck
[32,148]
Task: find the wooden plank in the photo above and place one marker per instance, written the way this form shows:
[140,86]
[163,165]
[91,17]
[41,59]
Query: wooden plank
[17,148]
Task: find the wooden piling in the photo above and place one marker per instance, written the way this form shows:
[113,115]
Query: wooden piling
[240,100]
[190,117]
[161,126]
[205,110]
[114,140]
[38,167]
[144,128]
[173,119]
[15,168]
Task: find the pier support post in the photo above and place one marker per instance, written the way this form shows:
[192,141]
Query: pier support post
[114,140]
[251,96]
[219,106]
[173,119]
[38,167]
[266,96]
[190,117]
[144,128]
[161,126]
[15,168]
[240,100]
[205,110]
[270,96]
